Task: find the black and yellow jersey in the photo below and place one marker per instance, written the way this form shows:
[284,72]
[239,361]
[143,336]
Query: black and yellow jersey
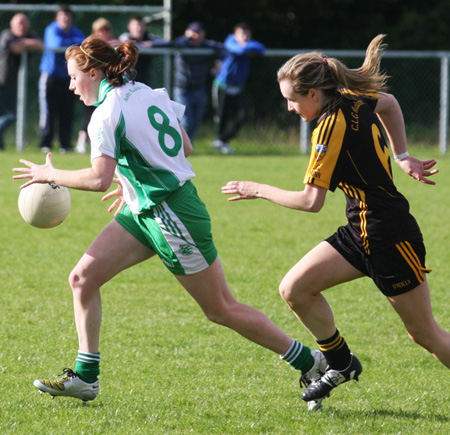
[349,151]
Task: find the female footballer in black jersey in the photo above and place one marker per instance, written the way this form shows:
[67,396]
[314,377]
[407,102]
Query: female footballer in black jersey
[381,239]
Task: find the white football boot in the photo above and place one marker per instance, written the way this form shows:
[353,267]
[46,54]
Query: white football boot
[70,385]
[315,373]
[320,388]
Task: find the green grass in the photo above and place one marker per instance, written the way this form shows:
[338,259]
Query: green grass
[165,368]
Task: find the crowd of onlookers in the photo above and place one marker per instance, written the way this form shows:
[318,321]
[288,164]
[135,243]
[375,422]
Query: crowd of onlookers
[229,64]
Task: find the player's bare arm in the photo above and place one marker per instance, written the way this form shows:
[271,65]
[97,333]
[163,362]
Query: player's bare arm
[187,145]
[391,117]
[98,178]
[310,199]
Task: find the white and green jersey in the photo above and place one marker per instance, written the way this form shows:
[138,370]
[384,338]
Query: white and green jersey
[139,127]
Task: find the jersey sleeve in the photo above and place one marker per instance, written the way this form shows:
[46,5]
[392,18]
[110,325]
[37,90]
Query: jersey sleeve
[177,107]
[326,148]
[102,134]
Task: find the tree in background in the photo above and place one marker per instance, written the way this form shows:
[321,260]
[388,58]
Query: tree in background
[337,24]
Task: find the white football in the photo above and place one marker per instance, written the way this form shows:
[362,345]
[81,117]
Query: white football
[44,205]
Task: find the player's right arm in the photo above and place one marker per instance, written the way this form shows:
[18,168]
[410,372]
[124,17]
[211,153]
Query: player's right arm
[97,178]
[310,199]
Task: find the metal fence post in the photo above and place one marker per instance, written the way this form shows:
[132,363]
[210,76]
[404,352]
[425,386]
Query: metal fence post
[21,101]
[443,112]
[304,130]
[168,73]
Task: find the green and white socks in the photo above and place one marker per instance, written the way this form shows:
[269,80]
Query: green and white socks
[299,356]
[88,366]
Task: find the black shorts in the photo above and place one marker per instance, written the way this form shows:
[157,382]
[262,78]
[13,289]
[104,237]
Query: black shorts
[395,270]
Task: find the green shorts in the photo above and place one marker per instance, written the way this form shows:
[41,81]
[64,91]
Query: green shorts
[178,230]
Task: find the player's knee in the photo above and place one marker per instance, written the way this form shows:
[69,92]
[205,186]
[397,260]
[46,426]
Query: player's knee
[423,337]
[217,316]
[285,291]
[290,294]
[75,280]
[82,288]
[420,340]
[221,314]
[78,282]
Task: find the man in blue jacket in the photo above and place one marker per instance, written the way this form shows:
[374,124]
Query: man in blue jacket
[192,73]
[56,101]
[228,87]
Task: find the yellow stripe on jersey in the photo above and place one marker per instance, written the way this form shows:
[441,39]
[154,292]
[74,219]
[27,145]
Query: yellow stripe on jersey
[373,94]
[407,252]
[328,126]
[329,131]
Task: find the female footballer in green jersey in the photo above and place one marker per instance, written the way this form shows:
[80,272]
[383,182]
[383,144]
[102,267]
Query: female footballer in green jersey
[381,239]
[135,131]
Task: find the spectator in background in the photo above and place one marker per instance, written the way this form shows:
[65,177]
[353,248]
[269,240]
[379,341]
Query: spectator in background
[191,75]
[228,87]
[13,42]
[137,31]
[101,28]
[56,101]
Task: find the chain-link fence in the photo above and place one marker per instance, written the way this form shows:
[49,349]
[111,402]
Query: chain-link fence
[419,81]
[40,16]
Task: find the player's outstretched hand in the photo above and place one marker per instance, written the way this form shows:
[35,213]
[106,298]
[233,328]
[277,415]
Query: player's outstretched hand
[36,173]
[419,169]
[119,203]
[243,190]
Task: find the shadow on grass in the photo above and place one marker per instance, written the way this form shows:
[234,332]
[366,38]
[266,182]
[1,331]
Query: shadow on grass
[68,403]
[382,413]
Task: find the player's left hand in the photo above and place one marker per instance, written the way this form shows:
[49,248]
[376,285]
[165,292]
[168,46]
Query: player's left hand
[36,173]
[119,203]
[419,169]
[243,189]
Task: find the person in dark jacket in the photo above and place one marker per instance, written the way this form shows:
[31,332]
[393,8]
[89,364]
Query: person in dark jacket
[137,31]
[192,73]
[14,41]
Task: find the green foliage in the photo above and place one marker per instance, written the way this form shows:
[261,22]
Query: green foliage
[165,368]
[339,24]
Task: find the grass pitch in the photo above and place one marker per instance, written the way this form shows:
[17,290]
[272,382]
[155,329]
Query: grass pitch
[165,368]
